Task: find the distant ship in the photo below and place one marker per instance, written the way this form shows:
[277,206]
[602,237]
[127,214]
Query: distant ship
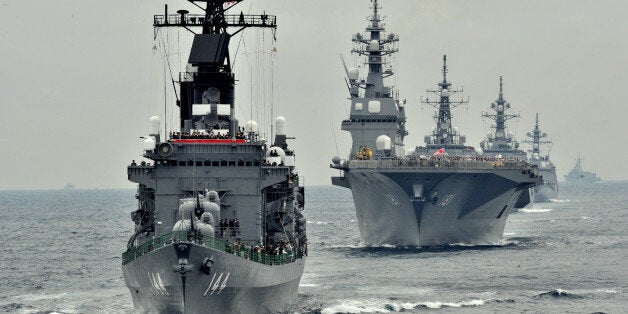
[579,176]
[69,186]
[502,143]
[549,189]
[218,228]
[423,198]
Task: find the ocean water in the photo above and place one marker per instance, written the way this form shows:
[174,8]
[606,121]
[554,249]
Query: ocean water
[61,254]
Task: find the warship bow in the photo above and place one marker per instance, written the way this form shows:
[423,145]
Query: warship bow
[218,228]
[443,193]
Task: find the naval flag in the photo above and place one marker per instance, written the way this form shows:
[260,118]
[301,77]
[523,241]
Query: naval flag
[440,152]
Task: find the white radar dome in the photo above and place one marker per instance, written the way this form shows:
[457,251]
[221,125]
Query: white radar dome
[211,208]
[383,142]
[149,143]
[354,74]
[535,155]
[186,209]
[536,146]
[374,45]
[479,151]
[251,126]
[182,225]
[280,124]
[444,93]
[510,135]
[207,218]
[335,160]
[205,229]
[153,125]
[276,152]
[212,196]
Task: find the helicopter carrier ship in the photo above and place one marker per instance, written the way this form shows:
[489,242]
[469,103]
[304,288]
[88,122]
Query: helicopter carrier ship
[218,228]
[500,143]
[415,200]
[579,176]
[549,189]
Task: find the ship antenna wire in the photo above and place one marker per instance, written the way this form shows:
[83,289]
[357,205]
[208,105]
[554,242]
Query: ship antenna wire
[334,131]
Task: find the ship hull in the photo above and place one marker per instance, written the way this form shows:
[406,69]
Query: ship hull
[233,285]
[544,194]
[454,208]
[549,189]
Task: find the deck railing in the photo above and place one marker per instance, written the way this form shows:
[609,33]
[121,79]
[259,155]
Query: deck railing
[211,242]
[437,163]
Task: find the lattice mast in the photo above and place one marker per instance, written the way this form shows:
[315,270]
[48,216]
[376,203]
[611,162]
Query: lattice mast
[444,132]
[374,47]
[500,140]
[536,137]
[209,79]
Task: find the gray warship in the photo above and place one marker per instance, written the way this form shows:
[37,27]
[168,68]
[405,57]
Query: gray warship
[549,189]
[500,143]
[416,200]
[218,228]
[579,176]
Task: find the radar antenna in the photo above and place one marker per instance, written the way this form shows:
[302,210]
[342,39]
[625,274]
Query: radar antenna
[444,132]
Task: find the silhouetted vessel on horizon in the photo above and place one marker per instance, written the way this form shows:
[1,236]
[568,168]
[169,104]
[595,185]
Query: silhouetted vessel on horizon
[579,176]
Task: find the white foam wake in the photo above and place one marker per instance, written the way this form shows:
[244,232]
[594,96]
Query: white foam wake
[380,306]
[535,210]
[552,200]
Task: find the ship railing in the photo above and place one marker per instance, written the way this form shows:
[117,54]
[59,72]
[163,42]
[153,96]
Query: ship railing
[263,20]
[437,163]
[211,242]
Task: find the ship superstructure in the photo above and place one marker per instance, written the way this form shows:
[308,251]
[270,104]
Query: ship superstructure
[219,227]
[375,112]
[418,200]
[579,176]
[445,138]
[500,142]
[549,189]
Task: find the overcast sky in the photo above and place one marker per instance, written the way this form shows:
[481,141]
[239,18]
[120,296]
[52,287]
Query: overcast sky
[79,79]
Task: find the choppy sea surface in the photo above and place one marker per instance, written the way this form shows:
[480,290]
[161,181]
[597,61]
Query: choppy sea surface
[60,253]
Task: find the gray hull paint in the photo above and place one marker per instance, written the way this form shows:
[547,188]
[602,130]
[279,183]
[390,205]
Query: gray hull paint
[545,194]
[234,285]
[549,189]
[472,208]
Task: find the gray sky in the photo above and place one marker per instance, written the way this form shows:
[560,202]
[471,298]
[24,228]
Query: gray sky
[79,79]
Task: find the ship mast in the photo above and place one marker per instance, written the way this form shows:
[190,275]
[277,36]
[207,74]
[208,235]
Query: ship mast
[536,135]
[501,139]
[374,48]
[207,86]
[444,134]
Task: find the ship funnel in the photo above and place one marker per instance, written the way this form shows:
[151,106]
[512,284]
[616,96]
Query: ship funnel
[280,124]
[154,125]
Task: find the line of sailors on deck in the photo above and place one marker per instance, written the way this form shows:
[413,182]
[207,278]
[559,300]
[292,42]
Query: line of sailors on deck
[204,135]
[229,227]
